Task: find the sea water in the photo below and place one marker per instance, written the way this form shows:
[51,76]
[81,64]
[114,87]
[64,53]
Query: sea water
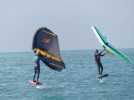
[77,82]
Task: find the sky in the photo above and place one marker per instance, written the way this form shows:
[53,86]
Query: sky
[71,20]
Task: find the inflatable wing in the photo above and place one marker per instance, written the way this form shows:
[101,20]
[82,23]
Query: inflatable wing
[108,47]
[46,43]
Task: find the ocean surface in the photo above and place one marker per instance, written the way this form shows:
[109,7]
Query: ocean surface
[77,82]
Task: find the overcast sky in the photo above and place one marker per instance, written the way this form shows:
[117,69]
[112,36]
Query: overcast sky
[69,19]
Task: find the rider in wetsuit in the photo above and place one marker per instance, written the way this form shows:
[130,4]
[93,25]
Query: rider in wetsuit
[97,56]
[36,64]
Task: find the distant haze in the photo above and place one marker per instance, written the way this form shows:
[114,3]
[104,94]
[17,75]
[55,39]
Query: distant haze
[69,19]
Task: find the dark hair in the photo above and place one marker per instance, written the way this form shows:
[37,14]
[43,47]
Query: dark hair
[97,50]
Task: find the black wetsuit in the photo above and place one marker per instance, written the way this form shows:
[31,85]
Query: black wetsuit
[36,69]
[98,61]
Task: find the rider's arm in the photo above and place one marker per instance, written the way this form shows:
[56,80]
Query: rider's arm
[102,53]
